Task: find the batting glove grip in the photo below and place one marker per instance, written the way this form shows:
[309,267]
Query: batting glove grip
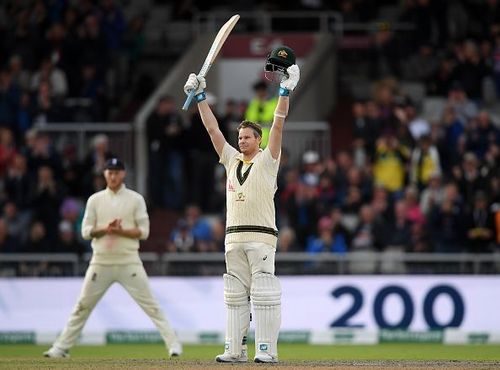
[196,83]
[289,83]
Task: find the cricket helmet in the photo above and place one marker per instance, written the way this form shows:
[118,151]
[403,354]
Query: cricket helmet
[278,60]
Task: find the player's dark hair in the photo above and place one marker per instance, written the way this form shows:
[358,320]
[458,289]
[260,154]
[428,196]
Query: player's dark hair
[257,129]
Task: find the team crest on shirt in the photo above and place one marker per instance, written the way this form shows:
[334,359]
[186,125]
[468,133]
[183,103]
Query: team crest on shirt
[230,186]
[240,197]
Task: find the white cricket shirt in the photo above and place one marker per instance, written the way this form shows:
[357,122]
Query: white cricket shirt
[105,206]
[250,190]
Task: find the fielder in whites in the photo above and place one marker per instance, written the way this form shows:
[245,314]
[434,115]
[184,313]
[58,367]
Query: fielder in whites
[115,219]
[251,232]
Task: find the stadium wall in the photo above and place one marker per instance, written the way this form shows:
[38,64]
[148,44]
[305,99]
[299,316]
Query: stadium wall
[316,309]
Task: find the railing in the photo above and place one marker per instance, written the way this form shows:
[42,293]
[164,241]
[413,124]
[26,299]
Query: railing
[299,138]
[310,21]
[297,263]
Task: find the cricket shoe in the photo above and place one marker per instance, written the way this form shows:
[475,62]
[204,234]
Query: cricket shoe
[265,358]
[226,357]
[175,350]
[55,352]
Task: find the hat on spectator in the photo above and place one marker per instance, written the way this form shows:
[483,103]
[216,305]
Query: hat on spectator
[69,206]
[114,164]
[65,226]
[310,157]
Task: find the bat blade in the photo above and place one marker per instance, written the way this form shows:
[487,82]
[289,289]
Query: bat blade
[217,44]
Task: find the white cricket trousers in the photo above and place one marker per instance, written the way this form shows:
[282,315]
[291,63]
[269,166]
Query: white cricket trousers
[98,279]
[243,260]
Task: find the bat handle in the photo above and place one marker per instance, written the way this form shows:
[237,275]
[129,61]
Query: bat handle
[188,100]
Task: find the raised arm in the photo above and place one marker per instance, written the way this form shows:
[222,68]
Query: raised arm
[198,84]
[281,111]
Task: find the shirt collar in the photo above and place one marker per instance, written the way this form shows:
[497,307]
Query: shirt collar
[121,190]
[240,156]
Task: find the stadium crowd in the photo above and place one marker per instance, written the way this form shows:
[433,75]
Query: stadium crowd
[406,183]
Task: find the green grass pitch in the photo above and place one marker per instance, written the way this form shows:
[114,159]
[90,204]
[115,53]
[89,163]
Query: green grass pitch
[292,356]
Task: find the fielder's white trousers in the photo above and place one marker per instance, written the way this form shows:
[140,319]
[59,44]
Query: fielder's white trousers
[98,279]
[246,259]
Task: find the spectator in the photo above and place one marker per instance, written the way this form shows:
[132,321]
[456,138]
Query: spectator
[261,109]
[496,62]
[399,235]
[24,116]
[181,238]
[53,76]
[414,213]
[20,76]
[37,239]
[458,99]
[200,228]
[480,225]
[8,244]
[92,43]
[67,241]
[368,235]
[326,240]
[42,153]
[446,222]
[8,150]
[18,184]
[366,131]
[425,162]
[470,70]
[165,132]
[201,160]
[287,241]
[482,135]
[9,99]
[134,41]
[16,222]
[471,179]
[389,163]
[46,108]
[218,232]
[422,65]
[432,195]
[96,158]
[385,53]
[37,243]
[47,195]
[441,82]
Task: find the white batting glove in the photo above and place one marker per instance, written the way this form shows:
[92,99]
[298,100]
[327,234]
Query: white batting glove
[293,78]
[196,83]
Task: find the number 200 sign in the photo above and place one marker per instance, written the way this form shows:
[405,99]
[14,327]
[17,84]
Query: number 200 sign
[408,307]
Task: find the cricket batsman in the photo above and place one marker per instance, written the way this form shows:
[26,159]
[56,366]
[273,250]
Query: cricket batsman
[251,233]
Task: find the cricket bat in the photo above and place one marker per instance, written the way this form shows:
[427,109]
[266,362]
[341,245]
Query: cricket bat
[212,53]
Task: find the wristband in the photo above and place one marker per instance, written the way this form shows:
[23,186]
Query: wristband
[284,92]
[200,97]
[279,115]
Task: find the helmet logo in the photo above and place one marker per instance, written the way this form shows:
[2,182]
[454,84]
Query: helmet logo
[282,54]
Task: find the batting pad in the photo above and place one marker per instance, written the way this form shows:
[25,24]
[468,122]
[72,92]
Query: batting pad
[238,314]
[266,298]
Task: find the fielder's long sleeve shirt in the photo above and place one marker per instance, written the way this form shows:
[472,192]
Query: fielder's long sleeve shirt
[102,208]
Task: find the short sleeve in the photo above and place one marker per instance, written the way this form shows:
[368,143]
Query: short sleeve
[228,153]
